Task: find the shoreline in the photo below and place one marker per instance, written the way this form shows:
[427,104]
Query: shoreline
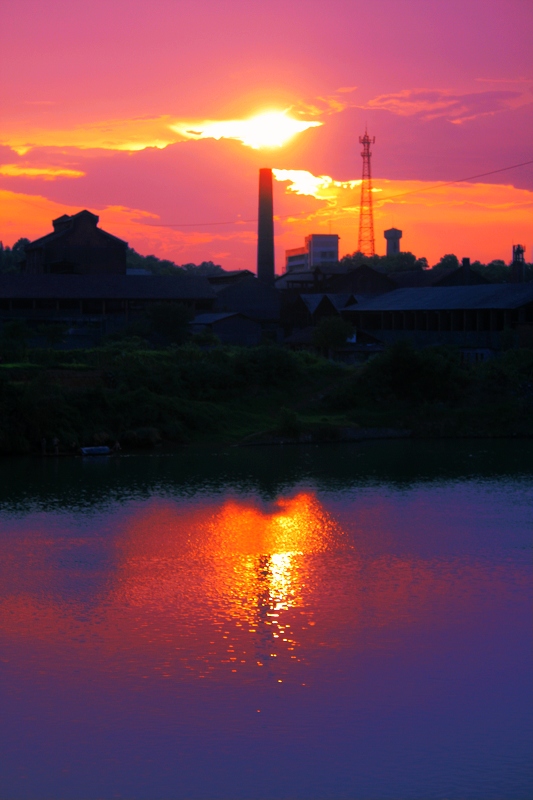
[355,436]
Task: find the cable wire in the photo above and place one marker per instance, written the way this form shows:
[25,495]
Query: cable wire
[378,200]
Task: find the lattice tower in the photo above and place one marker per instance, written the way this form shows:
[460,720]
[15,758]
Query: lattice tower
[366,217]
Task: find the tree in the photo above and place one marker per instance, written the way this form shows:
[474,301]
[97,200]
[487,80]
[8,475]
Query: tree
[331,332]
[170,320]
[19,249]
[357,259]
[206,268]
[163,266]
[14,339]
[449,261]
[153,264]
[53,333]
[11,258]
[402,262]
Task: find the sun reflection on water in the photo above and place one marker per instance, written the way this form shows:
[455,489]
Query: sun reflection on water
[212,589]
[261,564]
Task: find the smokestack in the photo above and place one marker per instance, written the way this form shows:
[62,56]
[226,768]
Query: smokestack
[265,228]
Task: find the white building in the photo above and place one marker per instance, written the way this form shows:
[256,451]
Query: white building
[319,249]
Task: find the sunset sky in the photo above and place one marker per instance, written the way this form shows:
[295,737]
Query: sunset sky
[144,113]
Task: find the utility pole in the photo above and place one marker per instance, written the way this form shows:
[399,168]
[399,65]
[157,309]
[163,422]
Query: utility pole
[366,218]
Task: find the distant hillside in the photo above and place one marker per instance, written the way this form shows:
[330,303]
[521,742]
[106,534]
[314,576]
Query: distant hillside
[162,266]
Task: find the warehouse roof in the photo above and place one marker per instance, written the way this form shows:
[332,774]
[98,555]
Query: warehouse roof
[442,298]
[105,287]
[66,224]
[209,319]
[251,297]
[338,301]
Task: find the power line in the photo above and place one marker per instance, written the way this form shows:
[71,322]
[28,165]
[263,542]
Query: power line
[459,180]
[378,200]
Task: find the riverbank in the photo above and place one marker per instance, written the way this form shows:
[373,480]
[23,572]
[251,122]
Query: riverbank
[266,395]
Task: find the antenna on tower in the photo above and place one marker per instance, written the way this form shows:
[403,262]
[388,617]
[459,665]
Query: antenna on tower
[366,217]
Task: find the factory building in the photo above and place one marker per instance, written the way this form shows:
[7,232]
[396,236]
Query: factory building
[459,316]
[319,249]
[76,246]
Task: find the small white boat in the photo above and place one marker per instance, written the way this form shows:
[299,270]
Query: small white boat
[102,450]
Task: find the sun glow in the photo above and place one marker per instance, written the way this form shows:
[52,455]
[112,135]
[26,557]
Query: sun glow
[271,129]
[320,186]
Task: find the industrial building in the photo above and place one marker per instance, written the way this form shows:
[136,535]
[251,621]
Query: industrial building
[90,306]
[229,328]
[319,249]
[462,316]
[76,246]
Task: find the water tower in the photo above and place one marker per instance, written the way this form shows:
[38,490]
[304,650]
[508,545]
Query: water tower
[393,236]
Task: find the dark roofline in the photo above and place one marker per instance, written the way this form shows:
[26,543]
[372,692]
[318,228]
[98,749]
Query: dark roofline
[442,298]
[58,234]
[105,287]
[211,317]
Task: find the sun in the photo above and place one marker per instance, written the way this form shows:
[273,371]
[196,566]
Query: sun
[270,129]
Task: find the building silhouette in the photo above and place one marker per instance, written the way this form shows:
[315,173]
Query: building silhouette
[77,246]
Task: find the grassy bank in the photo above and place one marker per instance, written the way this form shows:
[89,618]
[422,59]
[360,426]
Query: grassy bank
[142,397]
[187,394]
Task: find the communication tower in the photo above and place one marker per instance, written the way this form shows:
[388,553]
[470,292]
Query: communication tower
[366,219]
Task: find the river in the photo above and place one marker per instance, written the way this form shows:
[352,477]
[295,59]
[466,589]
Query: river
[338,621]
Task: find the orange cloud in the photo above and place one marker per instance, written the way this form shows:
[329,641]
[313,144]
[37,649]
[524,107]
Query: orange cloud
[477,219]
[330,104]
[44,173]
[271,129]
[31,216]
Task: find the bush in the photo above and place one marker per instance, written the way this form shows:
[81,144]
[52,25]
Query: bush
[405,375]
[289,423]
[331,332]
[267,366]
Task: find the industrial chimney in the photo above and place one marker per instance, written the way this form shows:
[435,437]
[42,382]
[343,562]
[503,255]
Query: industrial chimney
[265,228]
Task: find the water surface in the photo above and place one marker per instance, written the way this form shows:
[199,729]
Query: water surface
[347,621]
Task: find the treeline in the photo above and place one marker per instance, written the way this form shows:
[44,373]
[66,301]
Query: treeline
[496,271]
[162,266]
[12,259]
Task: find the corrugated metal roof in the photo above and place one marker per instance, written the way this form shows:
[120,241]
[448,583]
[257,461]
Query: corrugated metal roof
[251,297]
[105,287]
[449,298]
[209,319]
[312,301]
[338,301]
[294,277]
